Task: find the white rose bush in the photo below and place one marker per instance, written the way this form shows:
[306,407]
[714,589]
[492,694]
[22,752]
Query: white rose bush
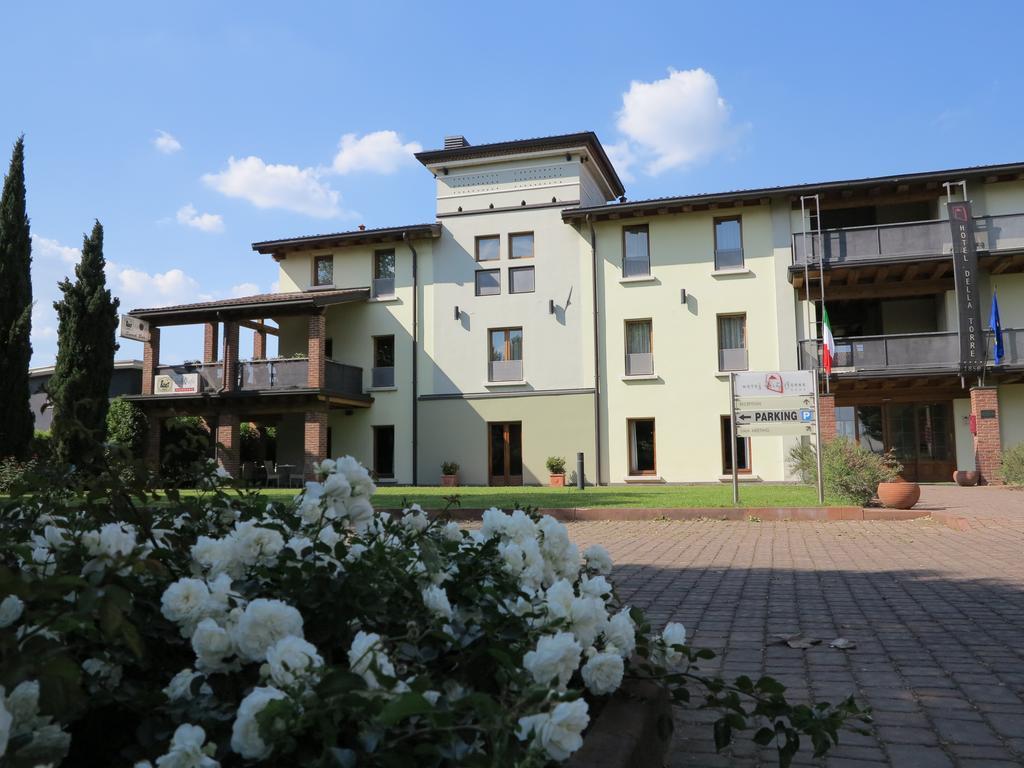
[219,630]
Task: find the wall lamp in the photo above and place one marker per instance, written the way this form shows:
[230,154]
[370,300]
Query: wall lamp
[551,306]
[458,315]
[682,295]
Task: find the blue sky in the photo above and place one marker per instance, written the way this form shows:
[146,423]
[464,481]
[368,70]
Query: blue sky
[286,119]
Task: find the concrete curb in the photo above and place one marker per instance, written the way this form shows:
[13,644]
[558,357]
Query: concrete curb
[633,730]
[762,514]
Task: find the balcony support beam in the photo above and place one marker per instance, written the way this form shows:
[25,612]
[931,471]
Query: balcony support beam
[317,339]
[210,332]
[150,359]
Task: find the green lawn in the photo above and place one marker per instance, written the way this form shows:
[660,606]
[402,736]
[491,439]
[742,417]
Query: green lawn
[618,496]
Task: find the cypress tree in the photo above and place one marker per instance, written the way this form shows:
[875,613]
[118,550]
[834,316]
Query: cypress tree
[79,388]
[16,423]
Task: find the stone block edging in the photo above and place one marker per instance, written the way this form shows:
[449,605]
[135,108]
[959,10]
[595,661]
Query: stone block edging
[763,514]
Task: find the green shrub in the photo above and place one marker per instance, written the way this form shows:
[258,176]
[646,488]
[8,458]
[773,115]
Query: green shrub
[13,472]
[1013,465]
[184,445]
[126,425]
[42,446]
[852,473]
[449,468]
[555,465]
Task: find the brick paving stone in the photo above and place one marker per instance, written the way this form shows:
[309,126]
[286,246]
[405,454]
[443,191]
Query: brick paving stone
[937,615]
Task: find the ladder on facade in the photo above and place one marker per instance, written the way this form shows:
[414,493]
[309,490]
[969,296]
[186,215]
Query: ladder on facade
[813,247]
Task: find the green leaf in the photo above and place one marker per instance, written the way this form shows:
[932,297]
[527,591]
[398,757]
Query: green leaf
[764,737]
[723,734]
[404,706]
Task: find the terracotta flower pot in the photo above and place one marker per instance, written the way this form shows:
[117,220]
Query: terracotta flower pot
[449,481]
[557,481]
[965,477]
[899,494]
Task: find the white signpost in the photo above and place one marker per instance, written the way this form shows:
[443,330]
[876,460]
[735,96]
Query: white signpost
[134,328]
[772,404]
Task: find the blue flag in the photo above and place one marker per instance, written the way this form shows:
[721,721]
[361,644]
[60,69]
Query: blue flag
[997,328]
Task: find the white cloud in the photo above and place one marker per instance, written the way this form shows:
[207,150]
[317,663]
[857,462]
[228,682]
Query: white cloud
[45,248]
[622,158]
[245,289]
[137,287]
[377,152]
[166,143]
[276,186]
[675,122]
[207,222]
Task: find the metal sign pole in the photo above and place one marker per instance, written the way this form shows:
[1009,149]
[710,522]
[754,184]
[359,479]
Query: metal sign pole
[817,441]
[732,442]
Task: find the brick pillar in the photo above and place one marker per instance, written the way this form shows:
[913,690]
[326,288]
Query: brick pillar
[230,356]
[150,359]
[317,337]
[988,446]
[315,447]
[259,345]
[151,447]
[229,442]
[827,417]
[210,332]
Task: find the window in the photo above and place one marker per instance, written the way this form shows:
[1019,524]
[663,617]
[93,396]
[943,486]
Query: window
[488,248]
[520,245]
[861,424]
[384,451]
[636,256]
[732,342]
[639,348]
[329,348]
[488,282]
[383,374]
[323,270]
[505,355]
[641,447]
[728,243]
[520,280]
[742,450]
[384,272]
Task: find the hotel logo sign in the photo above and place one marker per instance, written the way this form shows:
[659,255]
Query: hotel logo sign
[965,274]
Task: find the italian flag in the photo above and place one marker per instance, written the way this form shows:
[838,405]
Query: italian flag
[828,347]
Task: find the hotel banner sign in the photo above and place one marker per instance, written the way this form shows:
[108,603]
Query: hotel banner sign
[965,274]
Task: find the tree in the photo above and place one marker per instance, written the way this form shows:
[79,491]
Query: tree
[16,423]
[78,390]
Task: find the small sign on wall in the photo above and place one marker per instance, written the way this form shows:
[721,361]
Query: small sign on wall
[176,384]
[134,328]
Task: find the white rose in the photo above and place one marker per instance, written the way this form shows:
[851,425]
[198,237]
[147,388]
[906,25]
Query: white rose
[55,537]
[357,475]
[494,522]
[555,657]
[558,733]
[603,673]
[595,586]
[108,675]
[588,618]
[180,686]
[559,597]
[11,608]
[325,467]
[512,556]
[620,633]
[360,512]
[292,659]
[673,634]
[519,526]
[6,719]
[23,704]
[185,602]
[329,536]
[355,552]
[111,540]
[436,601]
[336,485]
[598,559]
[215,555]
[212,644]
[262,624]
[365,656]
[187,750]
[299,544]
[415,519]
[245,733]
[255,544]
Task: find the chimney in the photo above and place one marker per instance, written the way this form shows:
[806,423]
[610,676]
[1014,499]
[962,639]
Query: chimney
[362,227]
[455,142]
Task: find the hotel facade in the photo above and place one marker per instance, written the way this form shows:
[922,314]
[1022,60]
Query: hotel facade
[543,314]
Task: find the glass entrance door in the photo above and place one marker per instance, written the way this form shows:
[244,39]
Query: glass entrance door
[505,453]
[921,436]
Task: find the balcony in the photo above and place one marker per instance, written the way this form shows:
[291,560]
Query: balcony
[384,288]
[639,364]
[382,377]
[505,370]
[906,353]
[269,376]
[911,240]
[732,359]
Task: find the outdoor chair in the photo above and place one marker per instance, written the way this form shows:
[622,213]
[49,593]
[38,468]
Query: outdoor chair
[273,476]
[297,478]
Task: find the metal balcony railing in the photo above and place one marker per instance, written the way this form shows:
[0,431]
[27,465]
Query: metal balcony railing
[383,377]
[906,352]
[732,359]
[383,287]
[636,267]
[272,375]
[639,364]
[907,240]
[505,370]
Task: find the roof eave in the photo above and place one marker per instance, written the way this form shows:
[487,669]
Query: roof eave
[350,239]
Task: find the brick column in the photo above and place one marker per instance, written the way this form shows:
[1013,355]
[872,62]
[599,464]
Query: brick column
[151,446]
[827,417]
[988,446]
[315,445]
[150,359]
[230,356]
[259,345]
[229,442]
[317,337]
[210,333]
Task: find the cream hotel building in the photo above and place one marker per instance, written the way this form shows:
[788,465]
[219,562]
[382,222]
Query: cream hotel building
[542,313]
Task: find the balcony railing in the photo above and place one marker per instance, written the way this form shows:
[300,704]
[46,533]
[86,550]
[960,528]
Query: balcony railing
[505,370]
[639,364]
[908,240]
[384,287]
[636,267]
[907,352]
[383,376]
[272,375]
[732,359]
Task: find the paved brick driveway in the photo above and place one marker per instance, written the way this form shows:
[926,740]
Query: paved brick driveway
[937,615]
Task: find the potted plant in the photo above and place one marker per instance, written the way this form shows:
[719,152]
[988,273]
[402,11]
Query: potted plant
[556,468]
[893,491]
[449,474]
[965,477]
